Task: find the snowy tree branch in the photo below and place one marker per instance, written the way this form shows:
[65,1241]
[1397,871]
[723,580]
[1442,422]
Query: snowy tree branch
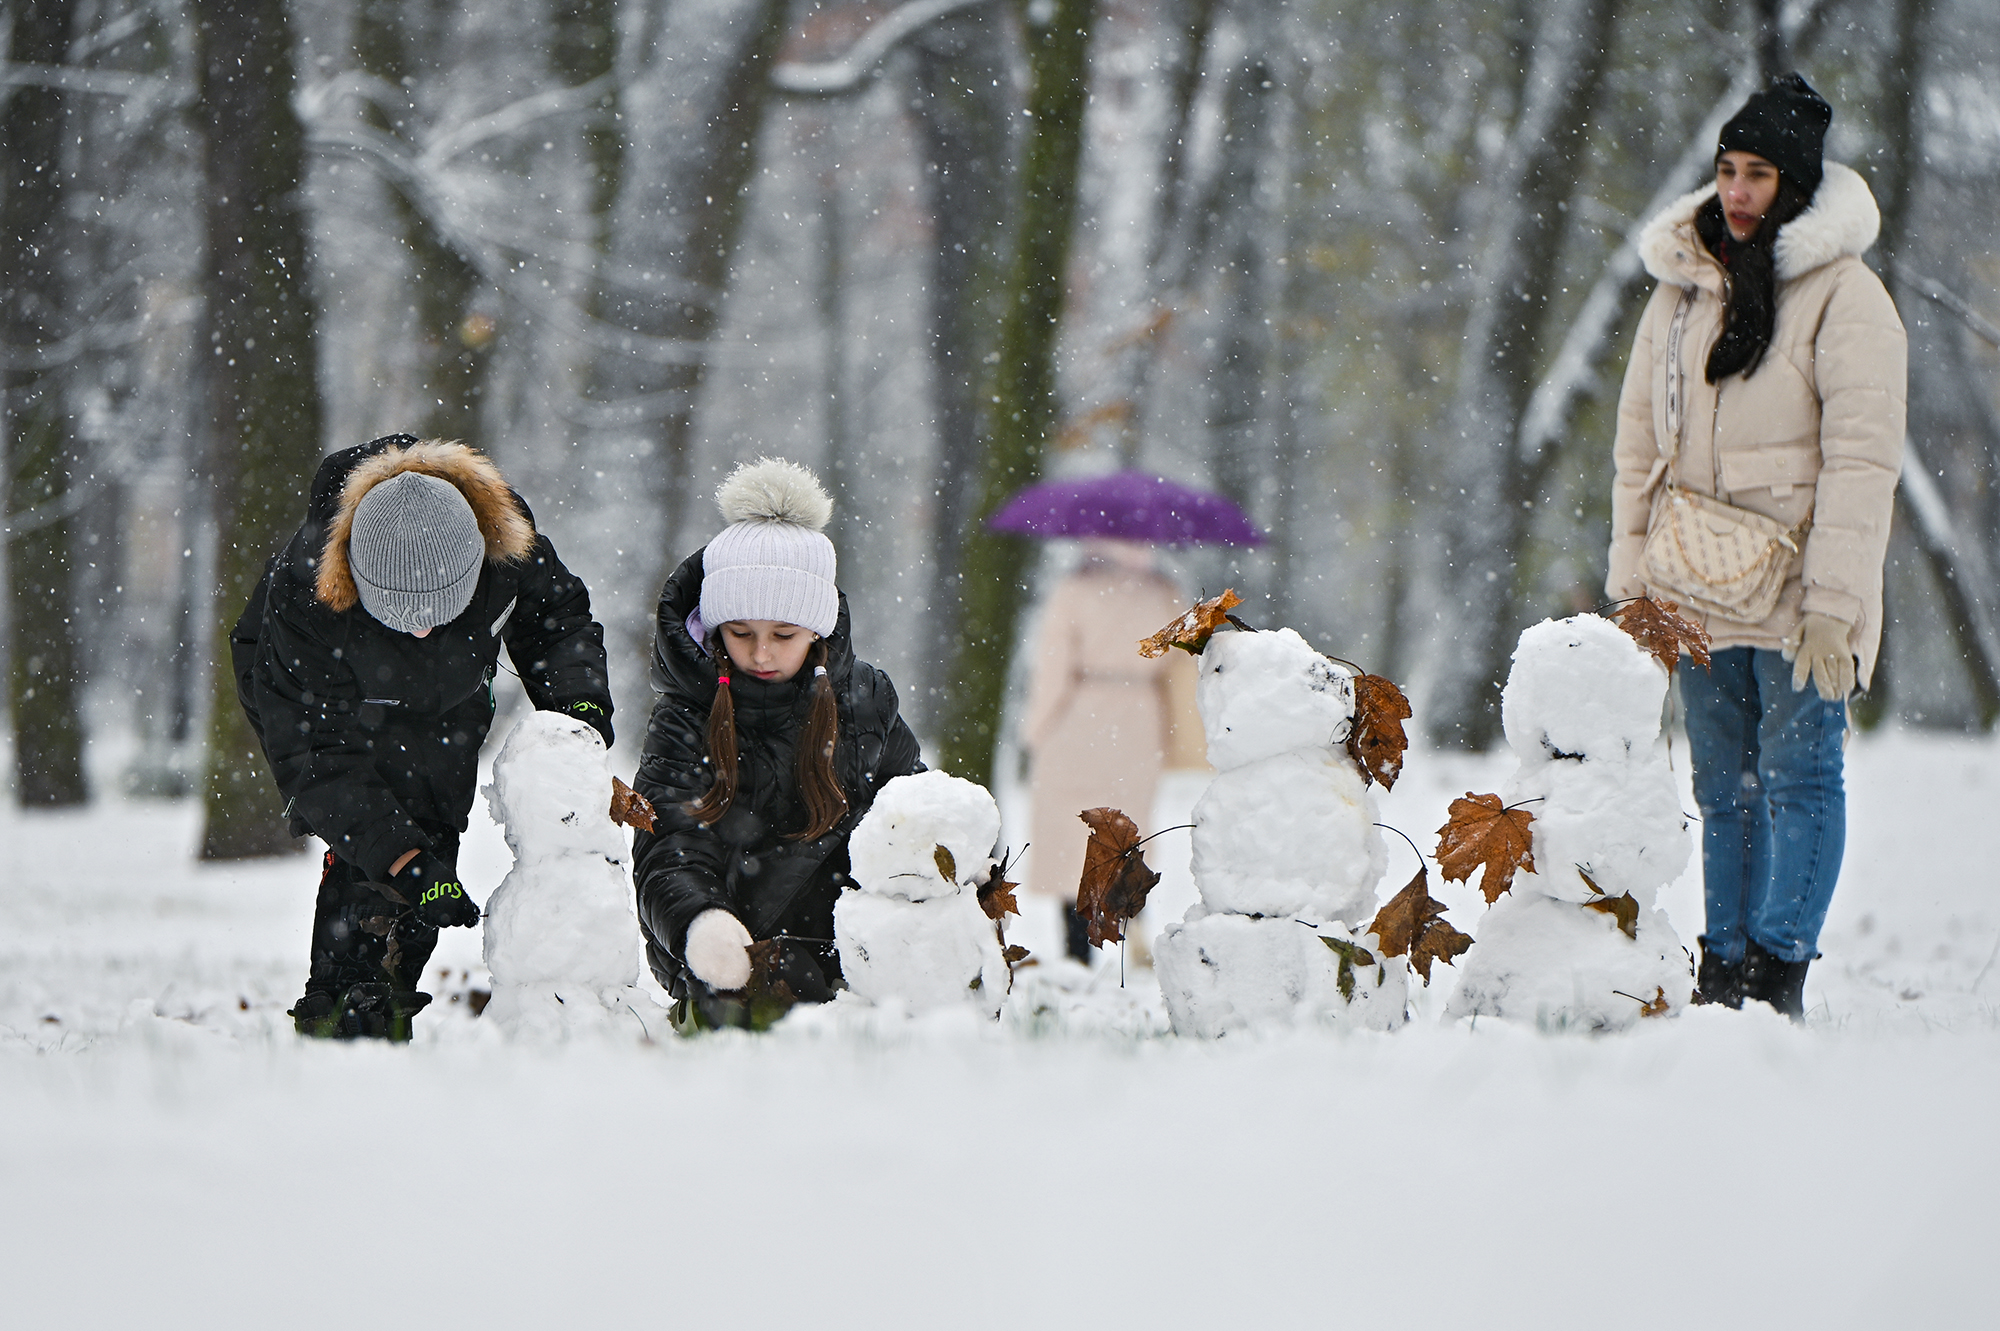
[1936,291]
[834,78]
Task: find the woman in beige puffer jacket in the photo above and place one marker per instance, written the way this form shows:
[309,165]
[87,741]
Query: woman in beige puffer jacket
[1792,404]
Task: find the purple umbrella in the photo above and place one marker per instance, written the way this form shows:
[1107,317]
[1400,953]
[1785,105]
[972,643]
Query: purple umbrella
[1130,505]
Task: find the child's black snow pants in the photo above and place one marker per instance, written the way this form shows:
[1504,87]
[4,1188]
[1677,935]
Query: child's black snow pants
[368,955]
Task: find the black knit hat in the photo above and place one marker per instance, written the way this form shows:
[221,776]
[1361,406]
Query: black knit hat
[1786,126]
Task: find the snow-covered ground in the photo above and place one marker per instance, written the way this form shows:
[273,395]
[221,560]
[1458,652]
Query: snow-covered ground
[170,1155]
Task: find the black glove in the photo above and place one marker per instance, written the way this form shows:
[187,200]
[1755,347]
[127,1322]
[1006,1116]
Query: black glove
[593,713]
[431,886]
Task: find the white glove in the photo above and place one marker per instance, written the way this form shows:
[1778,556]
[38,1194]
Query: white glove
[1818,647]
[718,950]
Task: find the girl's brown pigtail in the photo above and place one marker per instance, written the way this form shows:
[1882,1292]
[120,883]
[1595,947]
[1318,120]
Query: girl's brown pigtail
[826,803]
[715,801]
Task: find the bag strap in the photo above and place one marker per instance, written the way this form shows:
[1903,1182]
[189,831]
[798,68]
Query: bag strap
[1676,385]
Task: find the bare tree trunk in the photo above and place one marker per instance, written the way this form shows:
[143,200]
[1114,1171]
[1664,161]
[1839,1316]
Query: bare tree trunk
[1505,338]
[692,124]
[454,340]
[1170,257]
[1236,374]
[583,47]
[44,665]
[830,294]
[1024,413]
[264,403]
[1955,565]
[1774,51]
[962,106]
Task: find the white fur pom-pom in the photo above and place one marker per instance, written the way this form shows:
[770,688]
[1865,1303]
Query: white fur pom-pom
[774,490]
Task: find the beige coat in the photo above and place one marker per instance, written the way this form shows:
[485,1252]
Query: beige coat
[1818,427]
[1100,718]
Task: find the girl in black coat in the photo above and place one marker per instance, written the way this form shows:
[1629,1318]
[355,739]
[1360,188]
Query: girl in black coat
[365,662]
[767,743]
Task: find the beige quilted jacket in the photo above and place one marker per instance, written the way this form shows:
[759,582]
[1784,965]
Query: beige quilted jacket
[1818,427]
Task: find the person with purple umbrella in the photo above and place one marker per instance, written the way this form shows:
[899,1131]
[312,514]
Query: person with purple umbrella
[1100,722]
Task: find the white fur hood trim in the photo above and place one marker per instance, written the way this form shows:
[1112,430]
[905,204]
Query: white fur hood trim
[1842,220]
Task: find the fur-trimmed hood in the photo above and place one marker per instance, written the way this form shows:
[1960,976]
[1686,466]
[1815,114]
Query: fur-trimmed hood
[503,520]
[1841,220]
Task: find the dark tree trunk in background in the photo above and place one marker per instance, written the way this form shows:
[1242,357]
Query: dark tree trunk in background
[583,46]
[962,102]
[263,396]
[1235,413]
[1171,249]
[1956,572]
[1024,410]
[691,126]
[43,658]
[1774,52]
[454,338]
[1492,483]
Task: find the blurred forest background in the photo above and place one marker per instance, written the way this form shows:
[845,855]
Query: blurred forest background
[1365,267]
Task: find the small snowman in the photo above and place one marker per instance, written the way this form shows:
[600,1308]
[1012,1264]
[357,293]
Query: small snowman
[561,939]
[1577,943]
[1286,853]
[911,929]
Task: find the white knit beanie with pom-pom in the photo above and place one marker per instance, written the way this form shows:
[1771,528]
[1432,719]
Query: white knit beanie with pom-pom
[773,560]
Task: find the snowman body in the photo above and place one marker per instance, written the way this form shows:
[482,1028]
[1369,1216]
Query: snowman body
[910,928]
[560,937]
[1286,854]
[1582,715]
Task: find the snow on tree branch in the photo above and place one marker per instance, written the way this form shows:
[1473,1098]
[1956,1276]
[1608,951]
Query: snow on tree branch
[835,77]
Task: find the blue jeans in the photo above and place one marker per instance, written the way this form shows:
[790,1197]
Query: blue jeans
[1773,806]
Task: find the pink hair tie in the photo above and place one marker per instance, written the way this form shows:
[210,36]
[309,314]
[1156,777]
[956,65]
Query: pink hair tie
[720,680]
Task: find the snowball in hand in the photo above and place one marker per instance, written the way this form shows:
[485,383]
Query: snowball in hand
[1262,694]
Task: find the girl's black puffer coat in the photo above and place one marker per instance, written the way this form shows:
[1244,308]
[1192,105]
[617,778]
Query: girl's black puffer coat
[745,863]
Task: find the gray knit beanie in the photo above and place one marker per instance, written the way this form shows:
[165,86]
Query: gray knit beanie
[772,561]
[416,551]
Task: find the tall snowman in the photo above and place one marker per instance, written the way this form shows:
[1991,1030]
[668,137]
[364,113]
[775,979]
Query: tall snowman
[910,927]
[561,939]
[1577,943]
[1286,854]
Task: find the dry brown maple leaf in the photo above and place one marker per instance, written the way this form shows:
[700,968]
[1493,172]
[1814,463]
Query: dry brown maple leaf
[1410,923]
[1659,1007]
[1192,630]
[1115,876]
[629,807]
[1376,740]
[1483,831]
[1656,626]
[996,895]
[1621,908]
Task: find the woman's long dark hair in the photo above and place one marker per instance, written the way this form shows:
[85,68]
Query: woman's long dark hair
[1752,315]
[819,787]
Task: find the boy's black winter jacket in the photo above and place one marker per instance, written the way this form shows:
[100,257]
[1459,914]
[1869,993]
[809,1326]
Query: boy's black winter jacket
[744,863]
[373,735]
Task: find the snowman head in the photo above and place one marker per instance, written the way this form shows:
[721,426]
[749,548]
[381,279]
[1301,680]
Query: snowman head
[1266,693]
[552,788]
[927,835]
[1581,688]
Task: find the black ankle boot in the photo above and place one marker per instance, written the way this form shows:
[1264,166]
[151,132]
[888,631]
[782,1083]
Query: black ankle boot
[1076,933]
[1768,979]
[1716,980]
